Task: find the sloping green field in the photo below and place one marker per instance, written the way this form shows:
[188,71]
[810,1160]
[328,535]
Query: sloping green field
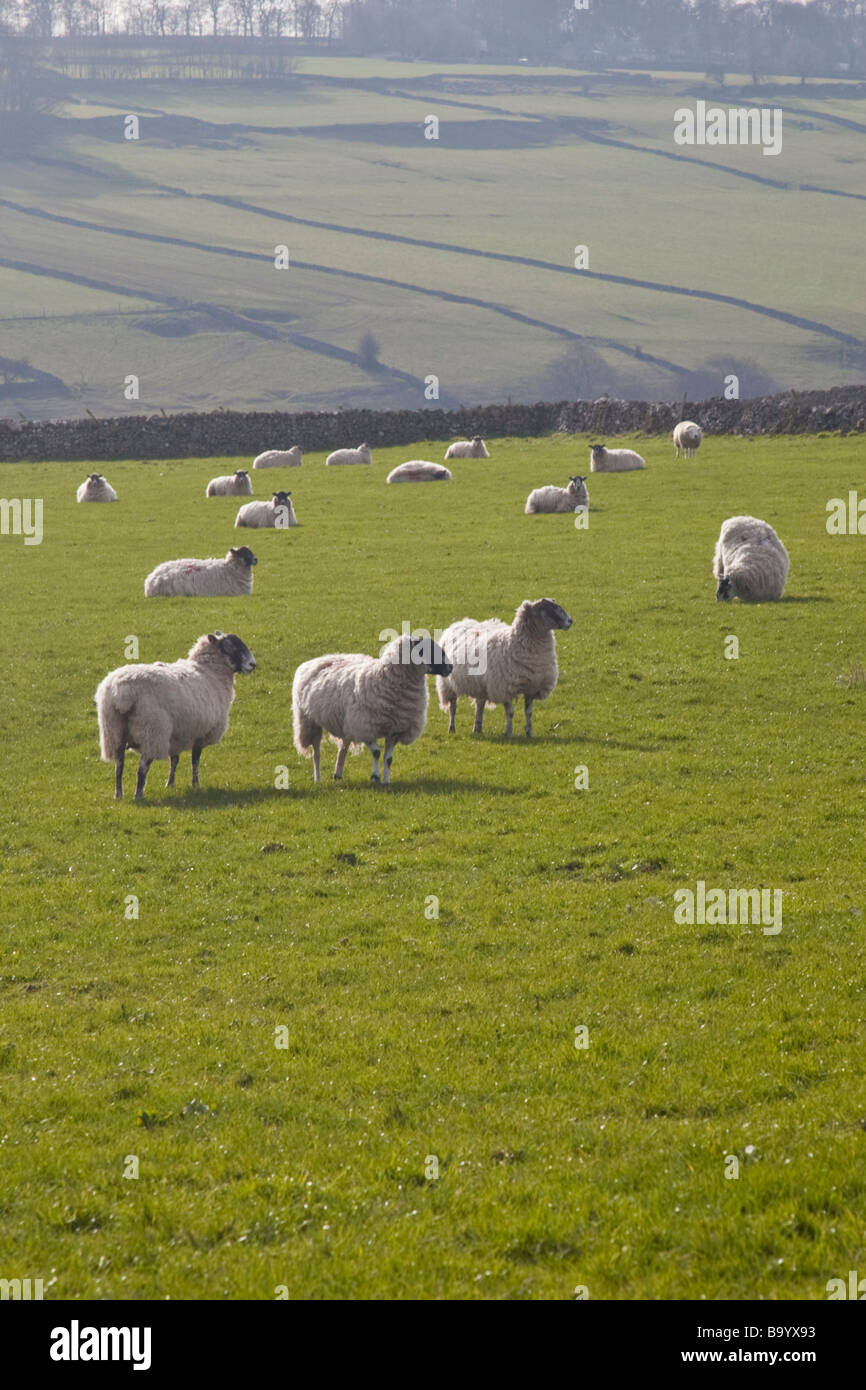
[457,254]
[308,915]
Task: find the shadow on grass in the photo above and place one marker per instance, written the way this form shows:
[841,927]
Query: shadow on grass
[189,799]
[805,598]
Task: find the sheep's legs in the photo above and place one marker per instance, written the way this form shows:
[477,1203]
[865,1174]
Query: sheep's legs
[118,775]
[341,758]
[196,754]
[173,769]
[527,709]
[143,765]
[452,715]
[317,756]
[509,717]
[390,745]
[479,716]
[374,749]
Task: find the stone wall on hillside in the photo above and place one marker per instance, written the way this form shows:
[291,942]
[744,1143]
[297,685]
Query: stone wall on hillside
[243,434]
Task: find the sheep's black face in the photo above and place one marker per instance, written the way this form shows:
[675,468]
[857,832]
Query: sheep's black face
[242,473]
[724,590]
[281,499]
[243,552]
[237,651]
[427,653]
[597,451]
[553,615]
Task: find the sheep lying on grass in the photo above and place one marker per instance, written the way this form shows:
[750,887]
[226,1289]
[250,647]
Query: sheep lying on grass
[494,663]
[750,562]
[474,448]
[96,489]
[164,709]
[280,458]
[687,436]
[359,699]
[558,499]
[603,460]
[360,455]
[418,471]
[191,578]
[279,512]
[230,485]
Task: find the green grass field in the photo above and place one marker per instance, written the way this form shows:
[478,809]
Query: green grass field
[410,1036]
[517,171]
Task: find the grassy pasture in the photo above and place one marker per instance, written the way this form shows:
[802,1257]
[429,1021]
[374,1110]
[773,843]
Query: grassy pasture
[412,1036]
[516,172]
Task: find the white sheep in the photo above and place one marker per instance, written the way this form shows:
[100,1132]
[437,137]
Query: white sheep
[280,458]
[687,436]
[494,663]
[230,485]
[359,699]
[558,499]
[602,460]
[166,708]
[193,578]
[418,471]
[474,448]
[96,489]
[750,562]
[278,513]
[359,455]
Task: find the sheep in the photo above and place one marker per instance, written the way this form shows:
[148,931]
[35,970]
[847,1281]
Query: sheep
[278,513]
[359,699]
[494,663]
[558,499]
[166,708]
[359,455]
[96,489]
[687,436]
[750,562]
[474,448]
[280,458]
[418,471]
[602,460]
[230,485]
[214,578]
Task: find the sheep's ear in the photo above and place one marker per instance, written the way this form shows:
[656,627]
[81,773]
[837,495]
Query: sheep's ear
[212,637]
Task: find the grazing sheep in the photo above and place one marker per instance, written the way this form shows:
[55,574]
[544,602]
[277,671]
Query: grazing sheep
[750,562]
[687,436]
[279,512]
[230,485]
[359,455]
[474,448]
[280,458]
[194,578]
[602,460]
[494,663]
[166,708]
[359,699]
[418,471]
[96,489]
[558,499]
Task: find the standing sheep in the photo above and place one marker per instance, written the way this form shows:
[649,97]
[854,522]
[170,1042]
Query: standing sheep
[359,699]
[280,458]
[196,578]
[558,499]
[166,708]
[602,460]
[230,485]
[96,489]
[359,455]
[279,512]
[750,562]
[474,448]
[418,471]
[494,663]
[687,436]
